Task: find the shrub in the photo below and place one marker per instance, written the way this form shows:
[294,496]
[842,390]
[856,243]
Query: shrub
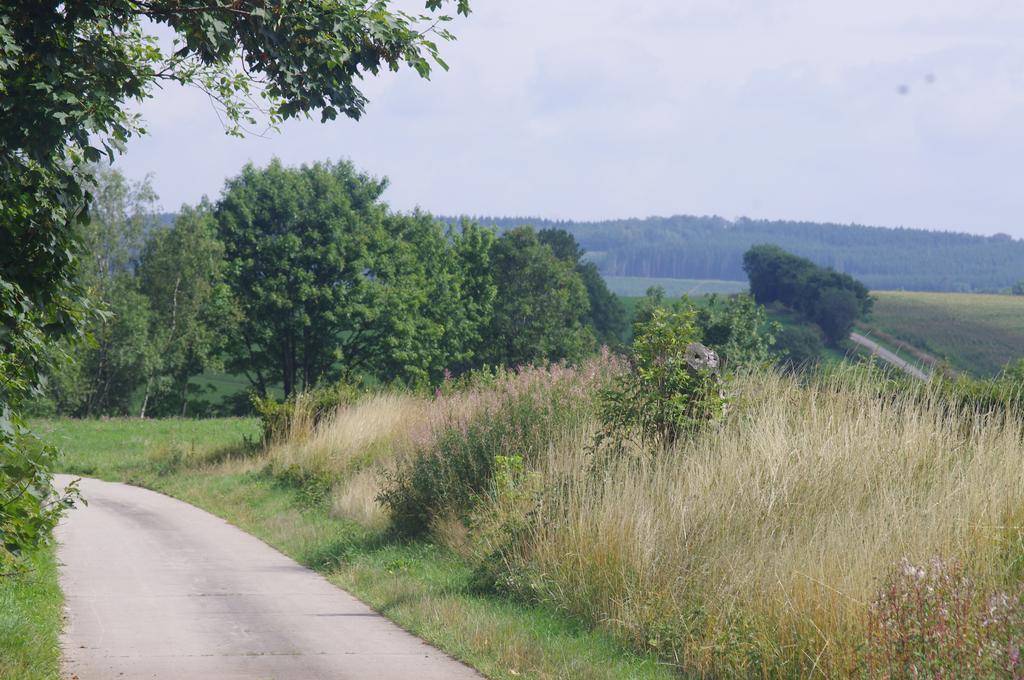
[932,622]
[523,413]
[29,506]
[670,389]
[798,347]
[301,412]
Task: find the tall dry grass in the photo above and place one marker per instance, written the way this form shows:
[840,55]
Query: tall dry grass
[355,447]
[756,549]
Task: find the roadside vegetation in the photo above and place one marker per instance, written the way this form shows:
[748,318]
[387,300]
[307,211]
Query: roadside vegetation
[657,505]
[762,546]
[30,618]
[301,510]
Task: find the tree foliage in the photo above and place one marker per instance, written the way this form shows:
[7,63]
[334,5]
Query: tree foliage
[539,305]
[735,326]
[181,275]
[665,395]
[709,247]
[605,315]
[798,347]
[67,71]
[330,283]
[828,298]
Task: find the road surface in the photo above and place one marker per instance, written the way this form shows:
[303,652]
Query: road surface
[889,357]
[156,588]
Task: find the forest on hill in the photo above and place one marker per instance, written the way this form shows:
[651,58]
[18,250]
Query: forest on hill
[690,247]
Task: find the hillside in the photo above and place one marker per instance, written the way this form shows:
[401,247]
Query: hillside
[689,247]
[974,333]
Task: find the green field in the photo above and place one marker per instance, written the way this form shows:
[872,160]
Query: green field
[635,286]
[975,333]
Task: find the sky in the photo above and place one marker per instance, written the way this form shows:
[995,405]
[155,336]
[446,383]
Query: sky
[883,112]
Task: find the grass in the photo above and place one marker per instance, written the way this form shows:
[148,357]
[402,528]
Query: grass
[974,333]
[30,620]
[757,548]
[636,286]
[424,587]
[761,547]
[116,448]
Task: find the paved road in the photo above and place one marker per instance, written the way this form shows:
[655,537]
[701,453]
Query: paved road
[156,588]
[890,357]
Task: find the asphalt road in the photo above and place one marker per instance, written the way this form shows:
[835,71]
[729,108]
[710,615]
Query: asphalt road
[156,588]
[889,357]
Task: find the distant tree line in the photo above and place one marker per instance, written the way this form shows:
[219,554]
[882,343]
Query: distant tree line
[830,299]
[712,248]
[300,276]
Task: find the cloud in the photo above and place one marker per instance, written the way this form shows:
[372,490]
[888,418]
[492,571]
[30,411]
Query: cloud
[578,109]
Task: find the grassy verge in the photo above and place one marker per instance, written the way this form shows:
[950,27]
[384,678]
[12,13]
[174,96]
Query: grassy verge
[30,618]
[421,586]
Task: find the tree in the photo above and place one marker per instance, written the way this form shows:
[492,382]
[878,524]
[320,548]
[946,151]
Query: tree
[435,300]
[540,301]
[67,69]
[654,298]
[837,309]
[193,313]
[798,346]
[671,390]
[1018,288]
[737,328]
[472,246]
[606,314]
[824,296]
[99,375]
[328,282]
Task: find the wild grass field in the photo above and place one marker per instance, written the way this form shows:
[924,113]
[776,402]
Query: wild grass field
[849,526]
[974,333]
[813,534]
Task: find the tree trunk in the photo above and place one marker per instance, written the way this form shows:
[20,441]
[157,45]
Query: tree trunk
[288,372]
[145,399]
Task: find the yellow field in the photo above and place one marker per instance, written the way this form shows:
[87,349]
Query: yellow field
[974,333]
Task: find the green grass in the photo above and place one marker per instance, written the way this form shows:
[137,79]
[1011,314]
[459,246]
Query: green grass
[636,286]
[974,333]
[30,620]
[422,587]
[115,448]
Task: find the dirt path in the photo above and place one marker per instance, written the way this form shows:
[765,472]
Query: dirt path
[156,588]
[889,357]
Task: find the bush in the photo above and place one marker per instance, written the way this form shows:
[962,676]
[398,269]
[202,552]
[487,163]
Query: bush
[446,478]
[302,410]
[672,388]
[29,506]
[799,347]
[932,622]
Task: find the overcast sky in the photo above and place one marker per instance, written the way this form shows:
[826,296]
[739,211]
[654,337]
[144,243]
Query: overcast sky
[888,112]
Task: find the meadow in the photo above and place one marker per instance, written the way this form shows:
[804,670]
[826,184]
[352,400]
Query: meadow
[975,333]
[815,534]
[635,286]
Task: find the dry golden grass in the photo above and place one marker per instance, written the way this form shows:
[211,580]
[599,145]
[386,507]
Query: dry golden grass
[359,443]
[355,437]
[757,548]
